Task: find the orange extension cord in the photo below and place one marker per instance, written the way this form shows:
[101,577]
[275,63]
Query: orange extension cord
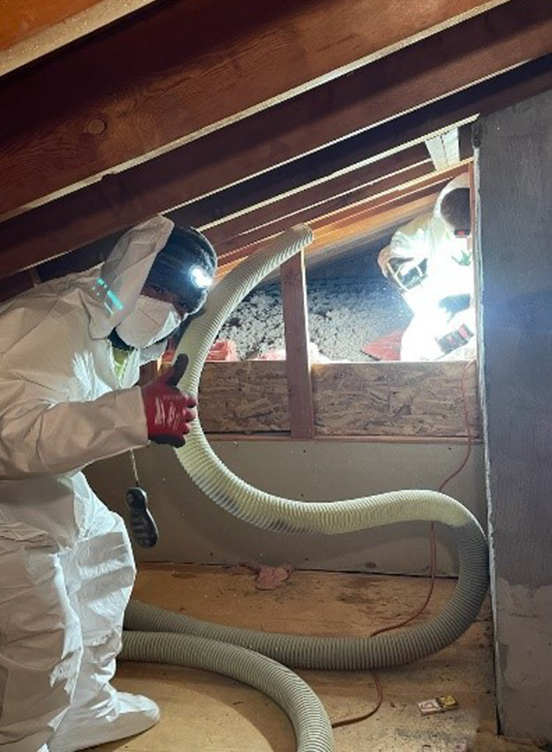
[432,567]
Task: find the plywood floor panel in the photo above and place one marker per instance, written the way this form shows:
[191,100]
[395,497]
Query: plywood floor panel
[203,712]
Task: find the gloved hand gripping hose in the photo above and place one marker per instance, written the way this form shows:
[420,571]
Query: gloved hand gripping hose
[329,518]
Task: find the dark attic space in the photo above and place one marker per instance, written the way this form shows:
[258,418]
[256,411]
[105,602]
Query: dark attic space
[275,376]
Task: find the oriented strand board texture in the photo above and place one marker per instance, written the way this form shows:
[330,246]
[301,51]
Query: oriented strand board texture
[394,399]
[350,399]
[245,397]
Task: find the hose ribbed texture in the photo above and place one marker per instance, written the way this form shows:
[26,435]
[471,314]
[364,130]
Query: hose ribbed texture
[310,722]
[278,514]
[288,516]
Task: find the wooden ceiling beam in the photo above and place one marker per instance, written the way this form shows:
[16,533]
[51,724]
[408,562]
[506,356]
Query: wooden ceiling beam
[369,208]
[99,210]
[377,193]
[336,241]
[365,181]
[33,28]
[178,70]
[232,210]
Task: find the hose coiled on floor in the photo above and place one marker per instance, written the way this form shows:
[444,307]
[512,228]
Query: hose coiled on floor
[303,708]
[288,516]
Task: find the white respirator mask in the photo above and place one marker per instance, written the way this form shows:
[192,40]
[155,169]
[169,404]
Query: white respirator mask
[150,321]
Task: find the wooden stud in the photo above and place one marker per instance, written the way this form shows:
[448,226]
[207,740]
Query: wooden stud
[298,371]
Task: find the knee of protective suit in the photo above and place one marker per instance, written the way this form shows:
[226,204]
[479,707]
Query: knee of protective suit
[103,571]
[40,643]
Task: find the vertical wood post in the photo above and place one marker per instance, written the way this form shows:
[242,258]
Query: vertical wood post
[294,300]
[515,231]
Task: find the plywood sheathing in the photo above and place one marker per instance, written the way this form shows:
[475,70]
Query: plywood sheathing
[203,712]
[386,399]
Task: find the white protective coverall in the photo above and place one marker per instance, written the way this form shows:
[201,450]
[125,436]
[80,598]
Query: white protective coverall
[430,237]
[66,564]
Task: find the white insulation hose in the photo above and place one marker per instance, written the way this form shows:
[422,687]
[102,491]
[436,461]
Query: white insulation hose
[328,518]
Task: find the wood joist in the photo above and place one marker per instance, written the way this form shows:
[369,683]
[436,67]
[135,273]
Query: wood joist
[352,168]
[85,215]
[178,70]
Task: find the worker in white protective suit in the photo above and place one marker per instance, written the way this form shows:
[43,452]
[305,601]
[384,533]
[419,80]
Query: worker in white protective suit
[70,352]
[430,259]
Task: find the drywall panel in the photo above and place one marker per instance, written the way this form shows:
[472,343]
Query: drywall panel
[194,529]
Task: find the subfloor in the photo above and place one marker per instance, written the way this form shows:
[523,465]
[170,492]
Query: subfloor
[203,712]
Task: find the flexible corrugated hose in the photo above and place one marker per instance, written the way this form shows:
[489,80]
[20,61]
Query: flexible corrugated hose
[288,516]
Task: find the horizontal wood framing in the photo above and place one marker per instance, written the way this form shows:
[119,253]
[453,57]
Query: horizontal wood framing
[372,178]
[178,70]
[364,201]
[381,221]
[350,399]
[33,28]
[126,198]
[225,208]
[335,238]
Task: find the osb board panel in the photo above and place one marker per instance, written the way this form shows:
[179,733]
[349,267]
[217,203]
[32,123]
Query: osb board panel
[352,399]
[245,397]
[207,712]
[389,399]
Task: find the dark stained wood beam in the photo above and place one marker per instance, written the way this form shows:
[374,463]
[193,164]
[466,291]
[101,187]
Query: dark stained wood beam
[296,331]
[178,70]
[228,212]
[99,210]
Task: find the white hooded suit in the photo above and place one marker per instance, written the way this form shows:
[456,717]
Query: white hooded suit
[66,565]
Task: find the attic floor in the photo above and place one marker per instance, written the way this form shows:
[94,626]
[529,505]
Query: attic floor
[203,712]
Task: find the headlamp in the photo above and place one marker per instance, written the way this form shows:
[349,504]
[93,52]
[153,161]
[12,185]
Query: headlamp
[200,278]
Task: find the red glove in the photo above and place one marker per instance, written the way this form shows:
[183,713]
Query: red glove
[168,410]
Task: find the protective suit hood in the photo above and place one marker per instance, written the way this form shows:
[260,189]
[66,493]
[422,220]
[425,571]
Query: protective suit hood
[111,292]
[460,181]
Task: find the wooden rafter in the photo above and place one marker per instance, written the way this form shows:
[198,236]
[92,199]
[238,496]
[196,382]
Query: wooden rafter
[99,210]
[384,191]
[33,28]
[312,201]
[224,211]
[337,238]
[178,70]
